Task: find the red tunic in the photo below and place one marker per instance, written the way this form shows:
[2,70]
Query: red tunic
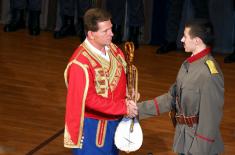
[96,89]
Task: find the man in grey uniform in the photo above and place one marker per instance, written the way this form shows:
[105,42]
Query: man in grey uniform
[17,20]
[197,96]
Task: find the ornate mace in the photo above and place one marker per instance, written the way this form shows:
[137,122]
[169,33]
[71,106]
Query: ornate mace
[129,136]
[132,72]
[132,75]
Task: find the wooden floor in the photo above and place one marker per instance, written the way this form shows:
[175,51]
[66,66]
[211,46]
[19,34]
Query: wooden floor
[32,94]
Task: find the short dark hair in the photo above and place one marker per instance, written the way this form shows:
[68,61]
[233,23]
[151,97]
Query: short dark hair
[93,16]
[201,28]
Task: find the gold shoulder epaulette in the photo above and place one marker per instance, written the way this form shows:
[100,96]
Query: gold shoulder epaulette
[211,66]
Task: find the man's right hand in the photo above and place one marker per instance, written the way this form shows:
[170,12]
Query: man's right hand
[132,109]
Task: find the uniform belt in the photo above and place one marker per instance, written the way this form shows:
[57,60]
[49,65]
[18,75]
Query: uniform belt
[188,120]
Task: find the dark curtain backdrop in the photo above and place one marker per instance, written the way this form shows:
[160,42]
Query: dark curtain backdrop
[155,20]
[159,15]
[49,16]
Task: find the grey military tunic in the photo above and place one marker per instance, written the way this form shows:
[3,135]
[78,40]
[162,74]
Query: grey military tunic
[198,91]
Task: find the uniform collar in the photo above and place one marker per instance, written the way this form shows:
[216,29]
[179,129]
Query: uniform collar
[199,55]
[95,50]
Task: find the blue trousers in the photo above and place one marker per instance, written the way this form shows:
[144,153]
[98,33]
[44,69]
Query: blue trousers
[89,146]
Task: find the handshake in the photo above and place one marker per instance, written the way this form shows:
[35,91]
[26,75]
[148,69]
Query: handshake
[132,109]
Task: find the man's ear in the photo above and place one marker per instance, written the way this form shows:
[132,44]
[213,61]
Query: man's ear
[198,40]
[90,35]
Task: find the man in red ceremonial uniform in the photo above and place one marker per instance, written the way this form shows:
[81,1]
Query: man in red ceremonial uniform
[96,81]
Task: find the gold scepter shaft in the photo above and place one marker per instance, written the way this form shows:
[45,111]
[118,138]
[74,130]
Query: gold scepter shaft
[132,75]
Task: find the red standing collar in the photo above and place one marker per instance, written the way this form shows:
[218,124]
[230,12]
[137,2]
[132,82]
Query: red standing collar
[199,55]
